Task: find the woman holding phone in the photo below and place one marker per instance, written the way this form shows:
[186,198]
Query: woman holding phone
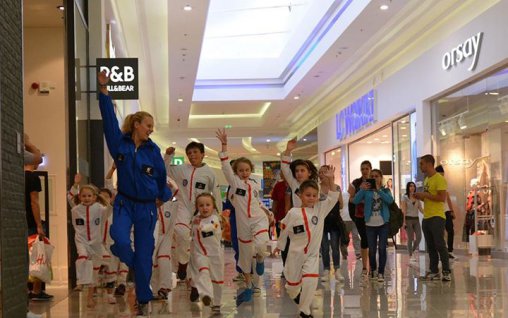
[377,200]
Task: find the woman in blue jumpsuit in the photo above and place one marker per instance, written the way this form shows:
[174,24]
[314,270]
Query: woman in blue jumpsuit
[141,185]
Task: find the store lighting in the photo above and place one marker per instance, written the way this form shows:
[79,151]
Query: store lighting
[268,140]
[180,100]
[333,153]
[173,143]
[297,97]
[403,127]
[376,139]
[369,142]
[304,139]
[462,122]
[187,8]
[404,136]
[384,7]
[442,130]
[61,8]
[278,153]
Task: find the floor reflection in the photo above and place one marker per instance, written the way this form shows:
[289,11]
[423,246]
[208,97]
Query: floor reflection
[478,289]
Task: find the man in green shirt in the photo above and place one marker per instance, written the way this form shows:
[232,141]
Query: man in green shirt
[434,219]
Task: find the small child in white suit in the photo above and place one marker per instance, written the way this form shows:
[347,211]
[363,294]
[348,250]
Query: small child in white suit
[304,226]
[207,255]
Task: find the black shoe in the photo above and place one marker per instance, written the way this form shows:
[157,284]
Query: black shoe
[194,294]
[182,271]
[42,296]
[141,310]
[120,290]
[207,300]
[297,299]
[305,315]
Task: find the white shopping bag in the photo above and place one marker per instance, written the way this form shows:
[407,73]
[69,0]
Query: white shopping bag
[40,260]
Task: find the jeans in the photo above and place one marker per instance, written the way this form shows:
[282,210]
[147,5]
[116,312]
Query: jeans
[433,230]
[334,243]
[375,233]
[413,228]
[449,230]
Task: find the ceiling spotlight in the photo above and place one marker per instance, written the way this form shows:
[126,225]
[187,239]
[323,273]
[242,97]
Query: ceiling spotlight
[384,7]
[304,139]
[187,8]
[403,127]
[462,122]
[180,100]
[268,140]
[442,130]
[384,136]
[173,143]
[278,153]
[376,139]
[404,136]
[369,142]
[333,153]
[61,8]
[297,97]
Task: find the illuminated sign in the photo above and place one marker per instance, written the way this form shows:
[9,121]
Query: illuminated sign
[470,48]
[355,117]
[177,161]
[123,77]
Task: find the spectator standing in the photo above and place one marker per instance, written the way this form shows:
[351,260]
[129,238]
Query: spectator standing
[350,228]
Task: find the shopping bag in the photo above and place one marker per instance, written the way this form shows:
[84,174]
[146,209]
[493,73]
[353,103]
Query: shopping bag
[40,259]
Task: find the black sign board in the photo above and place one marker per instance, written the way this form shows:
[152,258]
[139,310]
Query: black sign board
[123,77]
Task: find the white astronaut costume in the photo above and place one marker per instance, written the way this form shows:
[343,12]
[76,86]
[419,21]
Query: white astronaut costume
[191,181]
[162,269]
[88,227]
[285,162]
[304,226]
[251,220]
[207,258]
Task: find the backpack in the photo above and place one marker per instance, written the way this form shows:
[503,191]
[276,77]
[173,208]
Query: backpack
[396,219]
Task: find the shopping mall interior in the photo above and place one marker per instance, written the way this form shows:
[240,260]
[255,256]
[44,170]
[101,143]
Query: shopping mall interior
[332,82]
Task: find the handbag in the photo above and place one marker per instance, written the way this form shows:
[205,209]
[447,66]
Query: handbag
[40,259]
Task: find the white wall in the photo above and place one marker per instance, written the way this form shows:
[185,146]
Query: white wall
[359,152]
[44,120]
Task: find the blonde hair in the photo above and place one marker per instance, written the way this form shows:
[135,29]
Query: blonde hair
[207,195]
[95,191]
[131,119]
[242,160]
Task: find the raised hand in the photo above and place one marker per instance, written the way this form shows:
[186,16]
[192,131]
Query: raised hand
[223,137]
[330,172]
[170,151]
[291,145]
[103,80]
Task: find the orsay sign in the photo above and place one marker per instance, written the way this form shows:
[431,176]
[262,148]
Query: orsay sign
[467,51]
[123,77]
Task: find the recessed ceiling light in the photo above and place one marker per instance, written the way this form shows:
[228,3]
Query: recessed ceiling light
[369,142]
[268,140]
[304,139]
[376,139]
[278,153]
[61,8]
[383,7]
[173,143]
[403,127]
[180,100]
[296,97]
[333,153]
[187,8]
[403,121]
[404,136]
[384,136]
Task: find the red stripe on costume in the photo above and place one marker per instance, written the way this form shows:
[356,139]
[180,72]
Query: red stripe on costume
[82,257]
[224,159]
[105,232]
[174,194]
[307,229]
[164,256]
[244,242]
[109,273]
[310,275]
[162,220]
[286,162]
[191,183]
[218,282]
[106,256]
[88,223]
[261,231]
[96,268]
[204,269]
[292,283]
[123,271]
[249,200]
[183,224]
[201,243]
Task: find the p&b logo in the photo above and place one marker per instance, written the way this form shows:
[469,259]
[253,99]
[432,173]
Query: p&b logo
[123,77]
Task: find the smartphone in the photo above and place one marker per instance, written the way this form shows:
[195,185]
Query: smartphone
[372,183]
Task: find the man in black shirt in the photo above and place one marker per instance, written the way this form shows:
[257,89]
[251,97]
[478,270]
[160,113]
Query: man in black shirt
[33,219]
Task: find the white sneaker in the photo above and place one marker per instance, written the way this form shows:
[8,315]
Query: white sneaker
[338,275]
[32,315]
[326,276]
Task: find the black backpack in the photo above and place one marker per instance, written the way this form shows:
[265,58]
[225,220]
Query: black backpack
[396,219]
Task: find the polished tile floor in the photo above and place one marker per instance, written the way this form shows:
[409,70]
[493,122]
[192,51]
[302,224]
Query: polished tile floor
[478,289]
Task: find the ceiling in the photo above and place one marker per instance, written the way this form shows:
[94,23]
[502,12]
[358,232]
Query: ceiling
[42,14]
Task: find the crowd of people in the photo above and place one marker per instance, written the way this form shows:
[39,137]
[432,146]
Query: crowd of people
[162,218]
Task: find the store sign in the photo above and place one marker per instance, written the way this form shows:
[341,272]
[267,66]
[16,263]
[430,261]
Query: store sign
[355,117]
[470,49]
[123,77]
[177,161]
[457,162]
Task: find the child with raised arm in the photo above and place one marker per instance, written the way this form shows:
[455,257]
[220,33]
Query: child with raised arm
[87,218]
[192,179]
[251,217]
[304,226]
[207,255]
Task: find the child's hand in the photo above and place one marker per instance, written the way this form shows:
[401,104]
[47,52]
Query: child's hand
[222,136]
[170,151]
[113,166]
[329,172]
[291,145]
[77,179]
[276,250]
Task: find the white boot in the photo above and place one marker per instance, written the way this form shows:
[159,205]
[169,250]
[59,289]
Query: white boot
[326,276]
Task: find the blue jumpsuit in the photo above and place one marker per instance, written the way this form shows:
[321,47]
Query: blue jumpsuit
[141,180]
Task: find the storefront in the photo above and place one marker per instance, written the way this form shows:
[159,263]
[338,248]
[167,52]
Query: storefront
[454,97]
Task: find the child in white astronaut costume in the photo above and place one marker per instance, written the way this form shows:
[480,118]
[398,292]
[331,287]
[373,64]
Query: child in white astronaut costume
[304,226]
[192,179]
[207,255]
[162,275]
[251,217]
[87,219]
